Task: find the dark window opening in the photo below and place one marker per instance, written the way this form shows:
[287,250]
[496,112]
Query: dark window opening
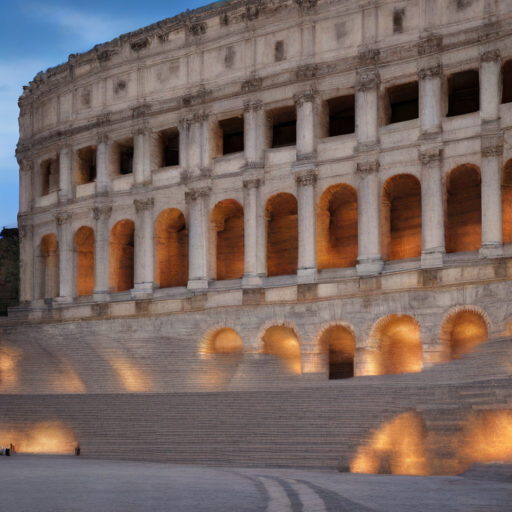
[463,93]
[49,176]
[126,157]
[339,370]
[507,82]
[342,116]
[284,127]
[86,165]
[398,20]
[279,51]
[232,135]
[171,147]
[403,102]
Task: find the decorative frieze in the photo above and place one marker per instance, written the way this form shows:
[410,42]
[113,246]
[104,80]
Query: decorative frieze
[193,195]
[305,97]
[496,150]
[141,110]
[63,217]
[368,55]
[367,79]
[431,72]
[252,84]
[144,204]
[430,44]
[252,105]
[101,212]
[430,155]
[367,168]
[307,71]
[306,179]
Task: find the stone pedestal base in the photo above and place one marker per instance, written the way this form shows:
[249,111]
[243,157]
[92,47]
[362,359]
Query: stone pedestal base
[62,300]
[491,250]
[101,295]
[198,284]
[306,275]
[142,290]
[369,267]
[252,281]
[431,259]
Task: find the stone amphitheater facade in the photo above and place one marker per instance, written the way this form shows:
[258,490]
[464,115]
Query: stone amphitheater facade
[266,232]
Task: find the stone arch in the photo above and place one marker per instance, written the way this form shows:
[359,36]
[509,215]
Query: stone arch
[463,329]
[401,218]
[463,231]
[122,242]
[227,221]
[396,344]
[337,233]
[506,201]
[171,249]
[338,342]
[84,246]
[282,342]
[282,235]
[49,266]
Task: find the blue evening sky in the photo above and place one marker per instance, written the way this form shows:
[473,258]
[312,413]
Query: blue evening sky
[41,34]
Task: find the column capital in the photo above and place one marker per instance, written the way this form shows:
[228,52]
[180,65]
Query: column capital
[194,194]
[63,217]
[103,138]
[196,117]
[492,145]
[367,79]
[24,230]
[430,155]
[305,97]
[368,55]
[367,168]
[307,178]
[490,56]
[27,165]
[252,105]
[492,151]
[141,129]
[431,72]
[254,183]
[101,212]
[144,204]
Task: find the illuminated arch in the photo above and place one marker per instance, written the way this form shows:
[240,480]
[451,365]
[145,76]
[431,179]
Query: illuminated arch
[281,341]
[506,201]
[228,225]
[282,235]
[401,218]
[122,256]
[463,209]
[339,343]
[84,244]
[337,234]
[49,267]
[171,249]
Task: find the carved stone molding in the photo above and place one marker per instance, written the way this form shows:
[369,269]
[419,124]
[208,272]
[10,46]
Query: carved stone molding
[492,145]
[201,95]
[224,19]
[103,138]
[367,79]
[63,217]
[432,72]
[144,204]
[140,110]
[367,168]
[27,165]
[194,194]
[305,96]
[103,119]
[368,55]
[101,212]
[496,150]
[256,183]
[105,55]
[197,29]
[307,71]
[430,44]
[252,105]
[252,84]
[197,117]
[491,56]
[141,129]
[306,5]
[140,44]
[252,12]
[430,155]
[308,178]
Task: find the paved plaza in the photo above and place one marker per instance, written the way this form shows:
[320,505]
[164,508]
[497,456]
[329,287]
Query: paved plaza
[32,483]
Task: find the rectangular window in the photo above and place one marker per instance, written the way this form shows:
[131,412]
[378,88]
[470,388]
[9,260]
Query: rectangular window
[170,147]
[86,165]
[284,127]
[463,93]
[49,176]
[342,117]
[403,102]
[232,135]
[121,158]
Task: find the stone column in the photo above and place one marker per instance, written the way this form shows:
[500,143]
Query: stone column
[103,165]
[184,128]
[141,155]
[430,99]
[432,218]
[306,129]
[253,235]
[66,274]
[144,248]
[26,237]
[254,133]
[369,257]
[306,182]
[490,86]
[102,253]
[26,170]
[195,154]
[492,230]
[367,107]
[65,173]
[198,238]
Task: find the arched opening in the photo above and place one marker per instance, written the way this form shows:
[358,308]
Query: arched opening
[337,227]
[399,447]
[171,249]
[401,218]
[49,267]
[398,340]
[462,331]
[84,244]
[339,343]
[122,256]
[282,235]
[506,201]
[464,209]
[281,342]
[228,224]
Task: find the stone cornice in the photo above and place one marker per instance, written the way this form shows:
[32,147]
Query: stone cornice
[144,204]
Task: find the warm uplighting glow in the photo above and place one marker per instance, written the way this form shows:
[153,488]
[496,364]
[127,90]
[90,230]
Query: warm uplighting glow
[398,342]
[226,341]
[133,379]
[84,245]
[397,448]
[9,358]
[506,200]
[48,267]
[44,437]
[122,256]
[68,381]
[281,341]
[339,342]
[463,331]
